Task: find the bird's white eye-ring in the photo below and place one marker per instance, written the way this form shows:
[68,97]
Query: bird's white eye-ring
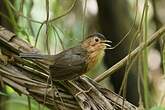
[97,39]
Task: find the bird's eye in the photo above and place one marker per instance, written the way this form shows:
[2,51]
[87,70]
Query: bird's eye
[96,40]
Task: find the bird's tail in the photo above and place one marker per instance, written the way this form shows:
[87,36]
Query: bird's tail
[33,56]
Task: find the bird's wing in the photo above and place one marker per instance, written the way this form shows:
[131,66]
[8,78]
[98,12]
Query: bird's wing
[69,64]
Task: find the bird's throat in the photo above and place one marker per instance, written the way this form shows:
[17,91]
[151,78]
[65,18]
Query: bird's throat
[94,58]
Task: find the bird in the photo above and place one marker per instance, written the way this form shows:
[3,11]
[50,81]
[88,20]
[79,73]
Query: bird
[76,61]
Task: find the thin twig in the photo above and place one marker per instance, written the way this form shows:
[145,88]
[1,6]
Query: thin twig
[68,11]
[18,13]
[38,33]
[131,45]
[145,55]
[29,102]
[29,14]
[47,26]
[58,36]
[83,19]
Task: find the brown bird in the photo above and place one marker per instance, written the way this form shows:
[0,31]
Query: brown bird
[78,60]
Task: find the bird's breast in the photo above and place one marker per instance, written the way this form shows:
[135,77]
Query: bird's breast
[94,58]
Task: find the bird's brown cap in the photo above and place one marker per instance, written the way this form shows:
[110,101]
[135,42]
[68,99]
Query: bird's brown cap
[101,36]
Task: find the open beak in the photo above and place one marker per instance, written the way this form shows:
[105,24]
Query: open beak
[105,42]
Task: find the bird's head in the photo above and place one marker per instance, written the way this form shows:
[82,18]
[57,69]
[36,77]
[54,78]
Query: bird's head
[95,45]
[96,42]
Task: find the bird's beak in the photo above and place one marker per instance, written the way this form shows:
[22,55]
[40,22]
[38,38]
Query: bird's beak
[105,42]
